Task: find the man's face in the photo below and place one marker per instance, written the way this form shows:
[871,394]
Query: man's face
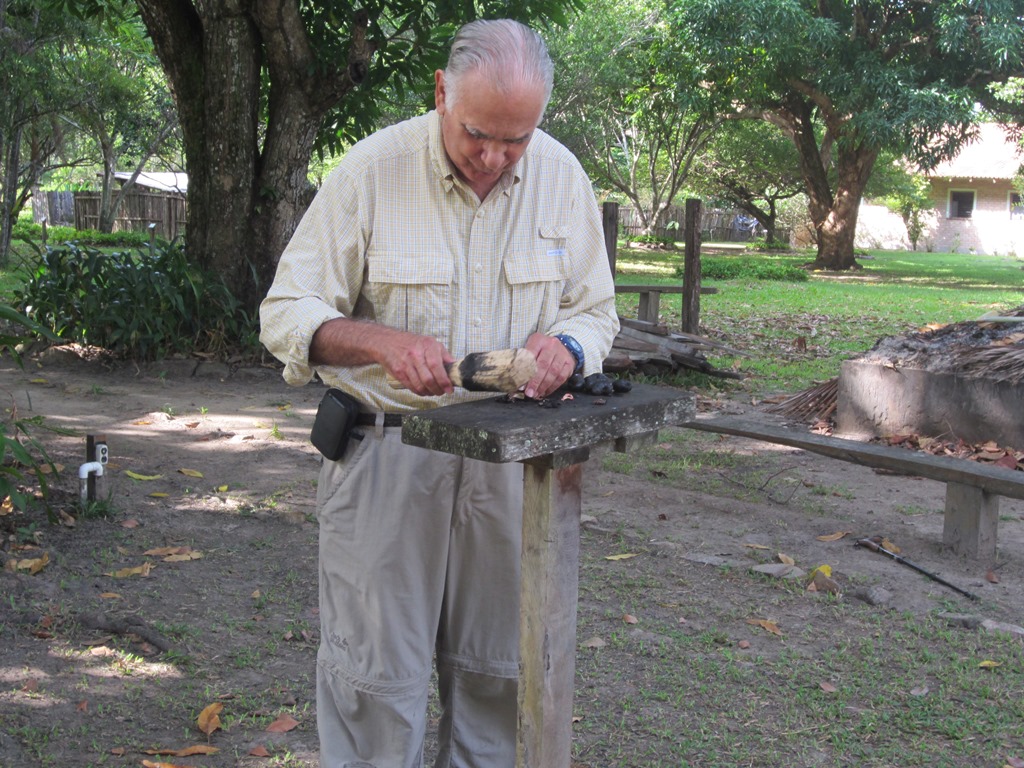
[486,132]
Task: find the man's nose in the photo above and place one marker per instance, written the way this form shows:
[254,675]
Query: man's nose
[494,156]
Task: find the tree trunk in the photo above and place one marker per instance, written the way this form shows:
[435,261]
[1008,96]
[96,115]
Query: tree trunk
[247,187]
[107,212]
[9,192]
[837,228]
[770,222]
[833,211]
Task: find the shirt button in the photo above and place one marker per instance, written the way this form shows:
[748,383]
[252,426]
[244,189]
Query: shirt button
[478,267]
[478,322]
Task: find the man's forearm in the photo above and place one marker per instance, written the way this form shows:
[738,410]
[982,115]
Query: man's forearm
[344,342]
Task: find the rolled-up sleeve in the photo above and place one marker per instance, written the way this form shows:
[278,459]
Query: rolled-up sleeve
[318,278]
[587,310]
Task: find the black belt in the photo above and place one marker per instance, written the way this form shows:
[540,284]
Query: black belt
[370,420]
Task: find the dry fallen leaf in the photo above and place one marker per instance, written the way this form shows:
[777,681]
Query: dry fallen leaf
[625,556]
[992,577]
[834,536]
[259,751]
[137,476]
[151,764]
[630,619]
[988,664]
[594,642]
[195,749]
[164,551]
[783,558]
[755,546]
[183,557]
[766,624]
[32,565]
[283,724]
[827,687]
[191,472]
[209,719]
[890,546]
[139,570]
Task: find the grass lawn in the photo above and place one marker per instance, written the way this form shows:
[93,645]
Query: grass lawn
[797,333]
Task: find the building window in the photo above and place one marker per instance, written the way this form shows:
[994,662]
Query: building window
[961,203]
[1016,207]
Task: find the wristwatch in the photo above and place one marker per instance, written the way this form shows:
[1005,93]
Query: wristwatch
[574,349]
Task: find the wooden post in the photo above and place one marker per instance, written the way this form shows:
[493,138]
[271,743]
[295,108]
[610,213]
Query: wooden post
[552,444]
[610,221]
[971,523]
[691,268]
[549,593]
[96,450]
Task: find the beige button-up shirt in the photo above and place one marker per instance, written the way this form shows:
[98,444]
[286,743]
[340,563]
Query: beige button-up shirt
[395,237]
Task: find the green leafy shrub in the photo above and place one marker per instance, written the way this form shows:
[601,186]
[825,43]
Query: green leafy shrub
[655,240]
[20,451]
[136,305]
[760,244]
[33,233]
[712,268]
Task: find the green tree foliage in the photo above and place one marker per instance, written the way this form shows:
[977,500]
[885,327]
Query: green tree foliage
[753,166]
[630,103]
[31,94]
[873,74]
[259,86]
[122,103]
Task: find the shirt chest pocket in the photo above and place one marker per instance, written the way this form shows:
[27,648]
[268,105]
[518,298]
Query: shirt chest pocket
[535,276]
[411,293]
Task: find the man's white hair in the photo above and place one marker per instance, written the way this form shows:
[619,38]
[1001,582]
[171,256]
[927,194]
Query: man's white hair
[508,54]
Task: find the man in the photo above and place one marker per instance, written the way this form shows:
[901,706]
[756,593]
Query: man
[464,230]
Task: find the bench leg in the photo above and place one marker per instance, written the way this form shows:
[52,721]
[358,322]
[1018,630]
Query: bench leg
[972,517]
[649,306]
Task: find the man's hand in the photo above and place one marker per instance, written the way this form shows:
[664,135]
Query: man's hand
[554,365]
[416,362]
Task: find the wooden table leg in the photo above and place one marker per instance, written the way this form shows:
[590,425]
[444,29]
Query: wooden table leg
[547,620]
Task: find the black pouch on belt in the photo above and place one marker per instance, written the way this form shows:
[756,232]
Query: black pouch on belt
[332,428]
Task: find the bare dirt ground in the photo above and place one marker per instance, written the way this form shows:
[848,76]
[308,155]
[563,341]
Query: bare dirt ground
[212,469]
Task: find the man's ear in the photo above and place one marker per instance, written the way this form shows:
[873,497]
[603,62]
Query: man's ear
[439,92]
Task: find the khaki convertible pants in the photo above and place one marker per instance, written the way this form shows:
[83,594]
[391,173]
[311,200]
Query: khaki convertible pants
[417,548]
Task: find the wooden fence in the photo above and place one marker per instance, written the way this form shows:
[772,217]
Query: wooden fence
[58,208]
[717,225]
[140,209]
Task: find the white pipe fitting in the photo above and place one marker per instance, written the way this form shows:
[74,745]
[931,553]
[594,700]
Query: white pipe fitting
[89,468]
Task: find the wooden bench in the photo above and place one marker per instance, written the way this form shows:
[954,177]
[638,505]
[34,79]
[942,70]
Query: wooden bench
[650,298]
[972,489]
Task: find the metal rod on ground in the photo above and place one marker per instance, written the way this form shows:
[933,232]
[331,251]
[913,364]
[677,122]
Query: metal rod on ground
[874,546]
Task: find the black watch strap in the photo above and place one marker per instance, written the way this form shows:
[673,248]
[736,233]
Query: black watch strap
[574,349]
